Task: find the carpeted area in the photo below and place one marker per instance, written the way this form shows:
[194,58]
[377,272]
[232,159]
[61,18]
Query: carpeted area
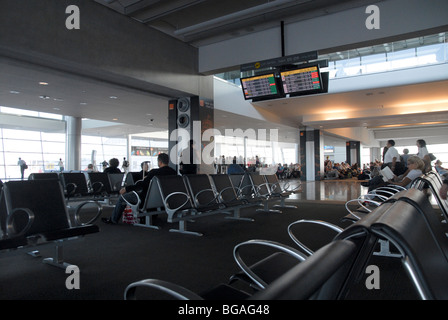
[121,254]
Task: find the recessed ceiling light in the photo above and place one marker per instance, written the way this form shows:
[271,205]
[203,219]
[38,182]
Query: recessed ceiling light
[113,97]
[14,92]
[42,83]
[57,109]
[115,119]
[83,103]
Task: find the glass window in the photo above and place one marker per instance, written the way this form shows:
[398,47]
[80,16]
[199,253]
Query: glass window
[21,134]
[21,146]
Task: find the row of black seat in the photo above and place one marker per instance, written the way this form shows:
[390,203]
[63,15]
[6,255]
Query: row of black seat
[407,220]
[84,185]
[188,197]
[34,212]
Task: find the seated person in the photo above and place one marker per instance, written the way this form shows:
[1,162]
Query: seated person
[142,173]
[141,187]
[416,166]
[440,170]
[113,168]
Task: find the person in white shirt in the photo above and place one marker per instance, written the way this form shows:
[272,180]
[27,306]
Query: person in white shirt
[392,159]
[416,167]
[424,154]
[422,150]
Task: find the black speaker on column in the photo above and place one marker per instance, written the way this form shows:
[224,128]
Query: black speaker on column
[181,115]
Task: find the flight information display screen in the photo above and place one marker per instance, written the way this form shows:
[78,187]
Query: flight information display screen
[303,80]
[260,86]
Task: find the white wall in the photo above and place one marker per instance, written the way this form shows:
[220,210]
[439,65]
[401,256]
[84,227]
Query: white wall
[347,28]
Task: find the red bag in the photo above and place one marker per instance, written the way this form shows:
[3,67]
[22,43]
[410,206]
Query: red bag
[128,216]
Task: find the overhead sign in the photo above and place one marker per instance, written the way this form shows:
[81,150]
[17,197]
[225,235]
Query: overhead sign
[295,58]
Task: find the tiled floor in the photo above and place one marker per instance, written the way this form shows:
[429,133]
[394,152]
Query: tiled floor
[336,191]
[328,190]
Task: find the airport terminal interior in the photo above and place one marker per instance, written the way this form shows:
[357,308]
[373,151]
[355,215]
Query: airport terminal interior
[307,95]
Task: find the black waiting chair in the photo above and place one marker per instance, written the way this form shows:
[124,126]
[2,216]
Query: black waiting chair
[416,231]
[321,276]
[44,200]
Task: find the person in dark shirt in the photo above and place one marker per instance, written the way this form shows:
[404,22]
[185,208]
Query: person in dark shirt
[140,187]
[114,163]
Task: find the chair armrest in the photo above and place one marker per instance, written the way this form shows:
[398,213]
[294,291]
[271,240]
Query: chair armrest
[318,222]
[169,210]
[281,247]
[132,204]
[265,195]
[10,222]
[215,197]
[240,190]
[77,214]
[226,189]
[361,201]
[70,188]
[171,289]
[97,187]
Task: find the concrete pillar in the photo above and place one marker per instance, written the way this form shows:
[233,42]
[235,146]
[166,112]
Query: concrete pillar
[73,143]
[311,154]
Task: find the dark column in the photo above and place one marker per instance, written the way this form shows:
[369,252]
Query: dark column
[353,153]
[188,118]
[311,154]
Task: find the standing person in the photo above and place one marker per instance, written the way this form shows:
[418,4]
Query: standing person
[404,157]
[125,165]
[141,187]
[424,154]
[61,165]
[23,166]
[392,159]
[422,150]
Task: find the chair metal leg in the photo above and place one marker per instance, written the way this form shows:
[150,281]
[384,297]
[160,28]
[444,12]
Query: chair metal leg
[58,259]
[183,229]
[237,216]
[148,223]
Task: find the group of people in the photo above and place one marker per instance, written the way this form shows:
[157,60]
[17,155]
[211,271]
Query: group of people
[140,188]
[285,171]
[405,167]
[341,170]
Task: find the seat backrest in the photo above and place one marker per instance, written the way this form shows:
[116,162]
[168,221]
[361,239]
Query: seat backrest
[77,178]
[273,183]
[101,177]
[45,198]
[43,175]
[224,186]
[432,181]
[115,181]
[200,189]
[237,179]
[168,185]
[153,199]
[424,257]
[260,184]
[305,280]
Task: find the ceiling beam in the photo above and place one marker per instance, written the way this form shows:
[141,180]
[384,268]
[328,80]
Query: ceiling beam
[164,9]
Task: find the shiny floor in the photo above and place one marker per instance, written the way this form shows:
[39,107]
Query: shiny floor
[339,191]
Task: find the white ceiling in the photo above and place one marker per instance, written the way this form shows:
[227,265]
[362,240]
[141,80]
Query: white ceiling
[73,95]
